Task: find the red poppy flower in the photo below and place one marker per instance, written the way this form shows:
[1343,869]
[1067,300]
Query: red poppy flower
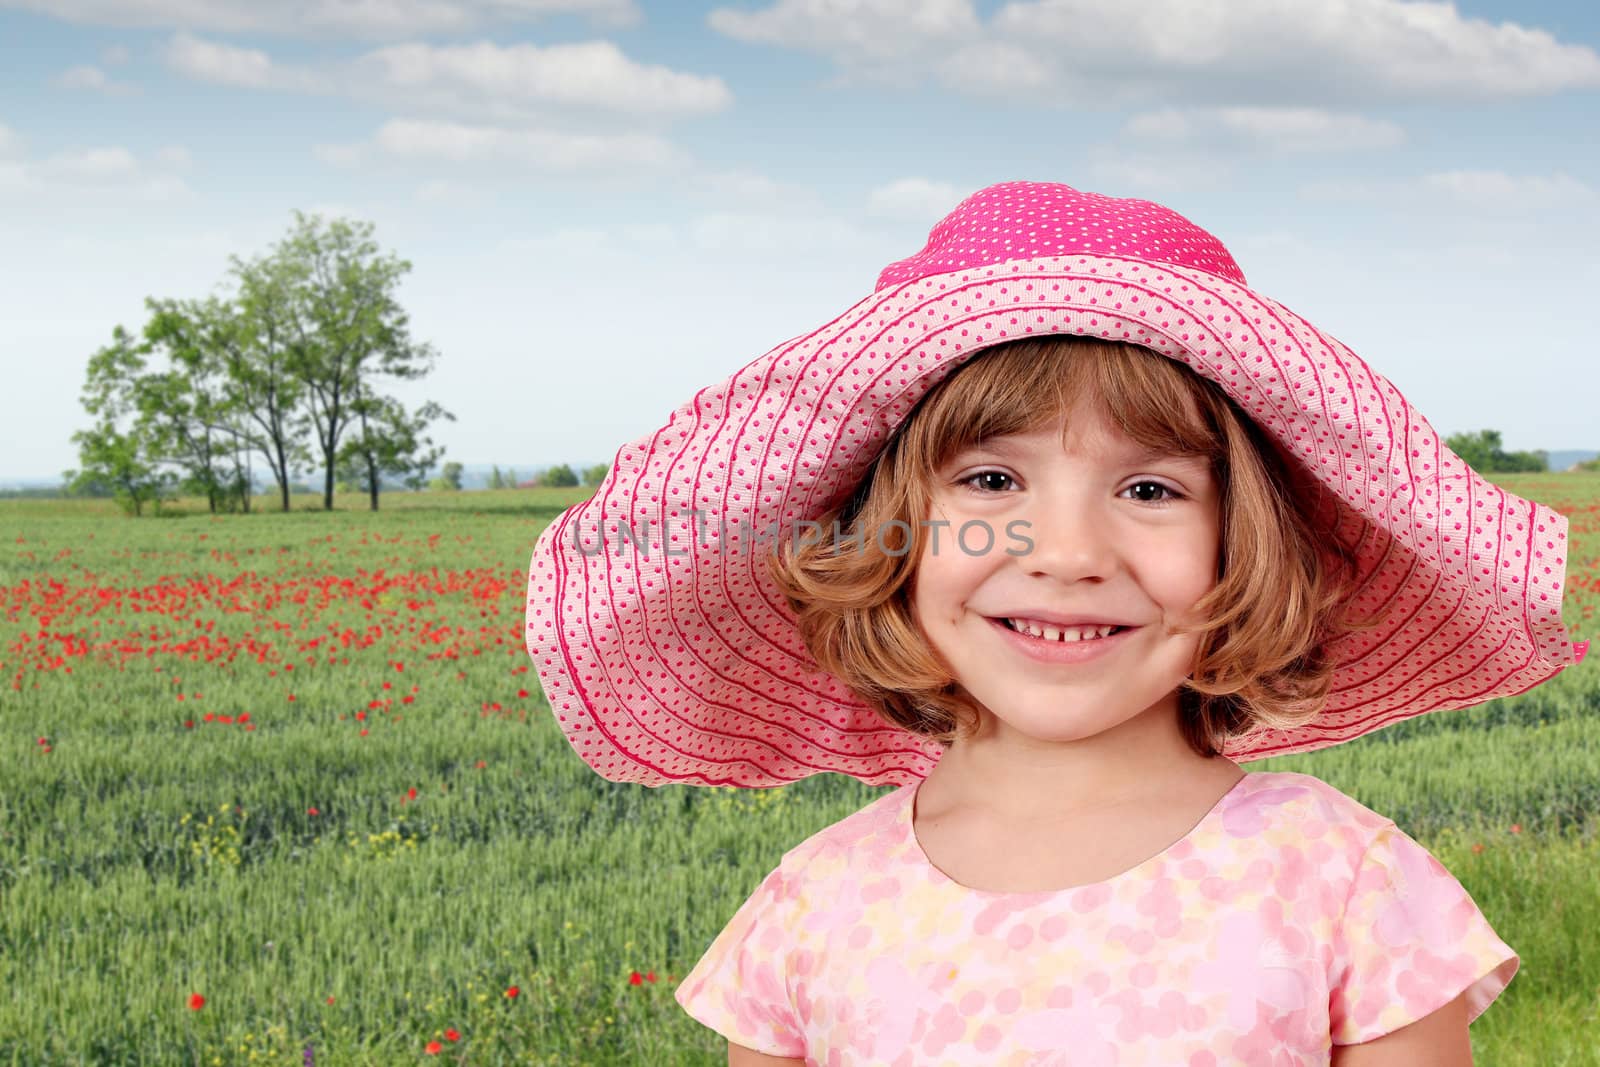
[361,716]
[433,1048]
[649,976]
[330,1000]
[1516,828]
[1476,849]
[452,1035]
[313,811]
[196,1002]
[635,978]
[513,992]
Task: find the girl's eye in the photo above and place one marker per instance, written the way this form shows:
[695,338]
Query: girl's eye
[1151,492]
[987,481]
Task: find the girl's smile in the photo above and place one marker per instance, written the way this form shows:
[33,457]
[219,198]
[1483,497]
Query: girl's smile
[1070,644]
[1069,638]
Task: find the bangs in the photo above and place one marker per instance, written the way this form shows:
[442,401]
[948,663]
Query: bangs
[1024,386]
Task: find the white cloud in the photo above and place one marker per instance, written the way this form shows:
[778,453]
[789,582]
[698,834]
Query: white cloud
[996,67]
[1497,189]
[115,55]
[1474,192]
[768,235]
[481,81]
[223,64]
[327,18]
[93,79]
[916,199]
[1156,173]
[756,190]
[111,173]
[427,140]
[872,36]
[1266,129]
[1327,54]
[82,78]
[1333,50]
[592,74]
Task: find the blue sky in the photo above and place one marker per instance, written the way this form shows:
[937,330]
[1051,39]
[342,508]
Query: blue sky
[611,203]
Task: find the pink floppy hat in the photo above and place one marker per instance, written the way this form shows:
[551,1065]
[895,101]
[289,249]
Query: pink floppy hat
[668,655]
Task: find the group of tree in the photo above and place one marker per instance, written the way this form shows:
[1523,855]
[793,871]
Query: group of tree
[1483,452]
[290,367]
[559,476]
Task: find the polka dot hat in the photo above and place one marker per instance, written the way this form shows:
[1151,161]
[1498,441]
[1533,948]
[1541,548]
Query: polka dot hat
[668,655]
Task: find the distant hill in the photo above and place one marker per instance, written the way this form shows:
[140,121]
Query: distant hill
[1568,458]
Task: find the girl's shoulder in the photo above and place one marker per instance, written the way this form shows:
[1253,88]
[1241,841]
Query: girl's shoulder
[1288,808]
[871,830]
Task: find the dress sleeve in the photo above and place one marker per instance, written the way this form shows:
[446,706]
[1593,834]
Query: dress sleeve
[738,988]
[1411,940]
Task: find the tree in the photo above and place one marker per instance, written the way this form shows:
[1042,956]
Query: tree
[496,481]
[188,427]
[1483,452]
[344,325]
[511,478]
[112,459]
[387,440]
[596,474]
[241,345]
[559,476]
[449,478]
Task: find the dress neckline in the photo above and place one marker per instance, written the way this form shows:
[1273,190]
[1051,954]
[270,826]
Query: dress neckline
[907,822]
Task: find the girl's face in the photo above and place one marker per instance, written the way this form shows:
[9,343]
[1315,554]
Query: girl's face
[1119,538]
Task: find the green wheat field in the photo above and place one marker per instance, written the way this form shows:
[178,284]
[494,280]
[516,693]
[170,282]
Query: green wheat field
[281,789]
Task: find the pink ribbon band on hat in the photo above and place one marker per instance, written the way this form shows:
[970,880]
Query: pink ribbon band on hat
[686,667]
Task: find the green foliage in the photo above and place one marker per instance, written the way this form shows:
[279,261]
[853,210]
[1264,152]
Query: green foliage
[388,440]
[1483,453]
[496,479]
[449,479]
[593,476]
[348,332]
[558,477]
[114,459]
[287,367]
[1591,465]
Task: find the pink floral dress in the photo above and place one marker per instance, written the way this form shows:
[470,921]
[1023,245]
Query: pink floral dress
[1288,920]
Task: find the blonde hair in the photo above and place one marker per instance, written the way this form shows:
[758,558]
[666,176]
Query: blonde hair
[1261,658]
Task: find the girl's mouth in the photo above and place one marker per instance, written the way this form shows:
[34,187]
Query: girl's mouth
[1062,645]
[1064,634]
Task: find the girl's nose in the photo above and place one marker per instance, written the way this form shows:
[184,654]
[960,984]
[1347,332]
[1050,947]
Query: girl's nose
[1071,543]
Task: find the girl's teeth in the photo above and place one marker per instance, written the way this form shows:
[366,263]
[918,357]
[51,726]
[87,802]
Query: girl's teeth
[1084,633]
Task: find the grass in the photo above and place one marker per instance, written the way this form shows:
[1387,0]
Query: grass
[283,868]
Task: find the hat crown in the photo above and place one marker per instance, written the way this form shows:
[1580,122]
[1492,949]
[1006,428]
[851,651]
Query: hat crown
[1028,220]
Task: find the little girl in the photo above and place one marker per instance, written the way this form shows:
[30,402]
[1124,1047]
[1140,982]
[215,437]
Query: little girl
[1052,531]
